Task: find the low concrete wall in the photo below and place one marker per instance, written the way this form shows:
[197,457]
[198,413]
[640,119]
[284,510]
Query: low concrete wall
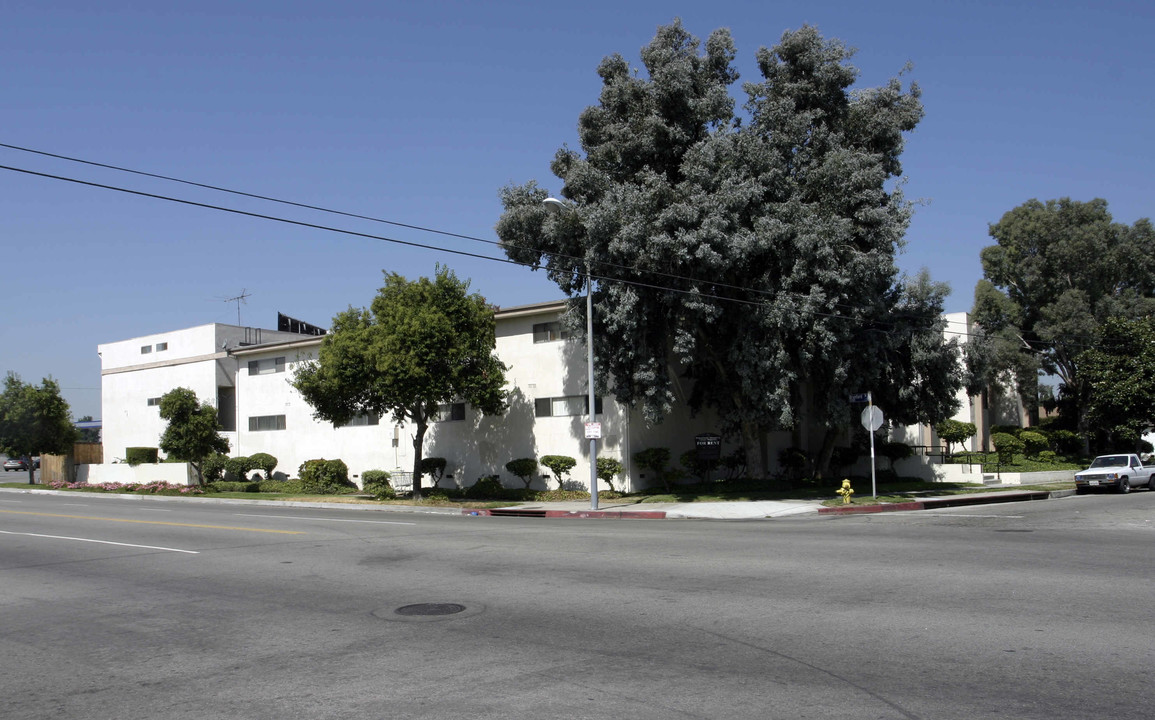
[1032,478]
[122,474]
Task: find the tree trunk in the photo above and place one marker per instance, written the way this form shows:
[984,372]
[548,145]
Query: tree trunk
[418,442]
[822,458]
[755,451]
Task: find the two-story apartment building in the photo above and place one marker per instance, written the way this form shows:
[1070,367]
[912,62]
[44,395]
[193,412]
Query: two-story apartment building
[245,373]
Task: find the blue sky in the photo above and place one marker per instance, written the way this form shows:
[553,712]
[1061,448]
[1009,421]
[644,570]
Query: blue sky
[420,112]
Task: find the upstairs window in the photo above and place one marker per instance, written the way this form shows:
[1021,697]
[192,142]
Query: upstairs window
[565,406]
[145,349]
[549,332]
[160,347]
[363,420]
[450,413]
[267,366]
[153,401]
[261,423]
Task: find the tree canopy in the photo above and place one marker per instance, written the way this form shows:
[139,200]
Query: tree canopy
[1056,273]
[753,254]
[34,420]
[421,343]
[193,431]
[1119,374]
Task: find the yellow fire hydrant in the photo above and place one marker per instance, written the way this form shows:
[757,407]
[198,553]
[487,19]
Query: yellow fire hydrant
[845,491]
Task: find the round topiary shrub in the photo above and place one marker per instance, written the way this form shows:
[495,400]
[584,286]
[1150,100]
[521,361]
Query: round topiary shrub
[213,468]
[1007,446]
[524,468]
[264,462]
[324,477]
[238,467]
[1033,443]
[559,465]
[487,487]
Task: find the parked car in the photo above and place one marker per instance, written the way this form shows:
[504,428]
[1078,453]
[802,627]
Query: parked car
[14,464]
[1117,472]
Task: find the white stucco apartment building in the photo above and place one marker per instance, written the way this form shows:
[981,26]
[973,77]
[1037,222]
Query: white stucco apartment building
[245,374]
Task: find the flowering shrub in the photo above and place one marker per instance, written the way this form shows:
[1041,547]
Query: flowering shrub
[152,488]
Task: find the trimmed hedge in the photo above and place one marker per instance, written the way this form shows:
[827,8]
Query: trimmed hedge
[141,455]
[324,477]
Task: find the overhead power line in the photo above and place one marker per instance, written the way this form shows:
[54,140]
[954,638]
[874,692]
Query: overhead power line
[578,260]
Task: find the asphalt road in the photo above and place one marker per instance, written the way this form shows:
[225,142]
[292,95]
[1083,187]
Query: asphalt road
[123,609]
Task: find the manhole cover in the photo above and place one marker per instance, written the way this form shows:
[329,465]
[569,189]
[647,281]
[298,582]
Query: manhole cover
[430,609]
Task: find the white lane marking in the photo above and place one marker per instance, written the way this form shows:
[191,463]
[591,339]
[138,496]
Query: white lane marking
[151,509]
[13,502]
[298,517]
[73,504]
[102,542]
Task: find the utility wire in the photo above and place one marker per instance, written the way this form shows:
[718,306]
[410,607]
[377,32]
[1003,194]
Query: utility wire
[554,255]
[316,226]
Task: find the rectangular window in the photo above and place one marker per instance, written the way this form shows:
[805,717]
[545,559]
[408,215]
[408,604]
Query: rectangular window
[153,401]
[161,346]
[549,332]
[266,422]
[267,366]
[365,419]
[145,349]
[565,406]
[450,412]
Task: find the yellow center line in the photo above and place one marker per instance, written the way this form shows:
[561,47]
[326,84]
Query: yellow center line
[154,522]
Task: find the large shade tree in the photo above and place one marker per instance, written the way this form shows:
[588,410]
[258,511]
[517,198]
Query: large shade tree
[34,420]
[1057,272]
[420,344]
[752,253]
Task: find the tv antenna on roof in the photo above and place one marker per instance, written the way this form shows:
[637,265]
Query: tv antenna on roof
[238,300]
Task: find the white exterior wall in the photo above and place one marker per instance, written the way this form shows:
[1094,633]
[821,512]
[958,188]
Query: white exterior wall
[194,359]
[367,447]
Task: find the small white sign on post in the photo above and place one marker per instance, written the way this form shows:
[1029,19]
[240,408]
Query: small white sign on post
[593,431]
[871,418]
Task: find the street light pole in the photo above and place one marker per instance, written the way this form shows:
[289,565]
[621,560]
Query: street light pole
[555,205]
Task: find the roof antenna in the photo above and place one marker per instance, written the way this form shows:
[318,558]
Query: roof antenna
[238,300]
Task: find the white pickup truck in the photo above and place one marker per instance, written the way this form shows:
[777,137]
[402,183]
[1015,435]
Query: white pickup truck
[1118,472]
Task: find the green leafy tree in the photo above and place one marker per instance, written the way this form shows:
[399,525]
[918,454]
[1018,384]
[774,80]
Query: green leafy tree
[559,465]
[1058,271]
[954,432]
[608,468]
[193,431]
[34,420]
[524,469]
[775,233]
[1119,374]
[420,344]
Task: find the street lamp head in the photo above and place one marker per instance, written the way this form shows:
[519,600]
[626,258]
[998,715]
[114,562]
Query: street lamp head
[554,205]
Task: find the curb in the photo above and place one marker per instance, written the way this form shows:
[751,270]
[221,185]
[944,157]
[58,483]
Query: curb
[947,502]
[597,514]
